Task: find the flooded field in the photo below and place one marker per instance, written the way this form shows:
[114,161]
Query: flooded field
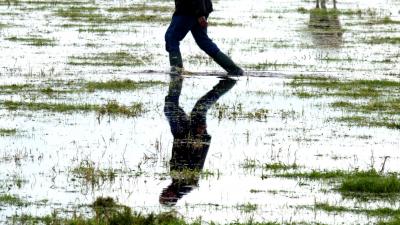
[310,135]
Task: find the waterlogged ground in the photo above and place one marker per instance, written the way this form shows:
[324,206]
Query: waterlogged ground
[83,88]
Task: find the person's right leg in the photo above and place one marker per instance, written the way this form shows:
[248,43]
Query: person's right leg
[209,47]
[177,30]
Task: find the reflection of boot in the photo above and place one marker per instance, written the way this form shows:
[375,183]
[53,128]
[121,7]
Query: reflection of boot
[175,86]
[175,61]
[225,62]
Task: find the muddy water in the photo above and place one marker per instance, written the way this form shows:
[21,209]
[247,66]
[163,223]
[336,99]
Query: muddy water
[37,163]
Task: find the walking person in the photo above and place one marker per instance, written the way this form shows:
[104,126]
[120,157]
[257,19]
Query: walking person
[191,15]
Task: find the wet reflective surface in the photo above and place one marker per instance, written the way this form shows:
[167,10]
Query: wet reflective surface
[211,166]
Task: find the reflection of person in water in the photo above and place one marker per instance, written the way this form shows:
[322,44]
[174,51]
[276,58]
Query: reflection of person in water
[191,140]
[326,29]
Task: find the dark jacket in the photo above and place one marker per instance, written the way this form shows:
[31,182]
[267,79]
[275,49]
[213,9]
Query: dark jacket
[193,7]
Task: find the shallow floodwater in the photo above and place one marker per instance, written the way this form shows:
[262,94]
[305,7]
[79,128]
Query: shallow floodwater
[271,39]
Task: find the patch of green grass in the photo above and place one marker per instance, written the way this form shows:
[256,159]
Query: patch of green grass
[141,8]
[121,58]
[108,212]
[354,183]
[274,65]
[327,12]
[3,25]
[390,107]
[393,221]
[7,199]
[86,14]
[280,166]
[113,108]
[90,15]
[15,87]
[247,208]
[236,111]
[43,2]
[315,174]
[327,86]
[102,30]
[7,132]
[53,107]
[224,23]
[380,104]
[250,164]
[189,175]
[370,122]
[119,85]
[381,212]
[34,40]
[92,175]
[384,40]
[254,164]
[383,21]
[374,184]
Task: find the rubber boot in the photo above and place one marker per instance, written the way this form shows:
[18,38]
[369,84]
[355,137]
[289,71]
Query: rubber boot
[175,61]
[229,66]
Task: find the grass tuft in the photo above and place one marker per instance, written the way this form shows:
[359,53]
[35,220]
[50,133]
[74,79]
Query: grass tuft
[118,59]
[7,132]
[119,85]
[375,184]
[113,108]
[35,41]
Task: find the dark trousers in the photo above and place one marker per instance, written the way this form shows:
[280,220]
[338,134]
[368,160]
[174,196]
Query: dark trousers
[180,26]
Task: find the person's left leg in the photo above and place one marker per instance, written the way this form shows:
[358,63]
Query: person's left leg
[209,47]
[177,30]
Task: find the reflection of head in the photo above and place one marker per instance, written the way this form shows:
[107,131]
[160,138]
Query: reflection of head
[325,28]
[191,140]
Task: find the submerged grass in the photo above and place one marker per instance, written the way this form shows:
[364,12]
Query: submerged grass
[92,16]
[378,101]
[141,8]
[108,212]
[92,175]
[15,87]
[355,183]
[189,175]
[383,40]
[249,164]
[380,212]
[35,41]
[120,58]
[53,107]
[328,86]
[373,184]
[247,208]
[12,200]
[111,108]
[236,111]
[43,2]
[324,12]
[120,85]
[383,21]
[7,132]
[370,122]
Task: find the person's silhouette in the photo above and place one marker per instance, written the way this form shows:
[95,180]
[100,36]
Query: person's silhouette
[191,140]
